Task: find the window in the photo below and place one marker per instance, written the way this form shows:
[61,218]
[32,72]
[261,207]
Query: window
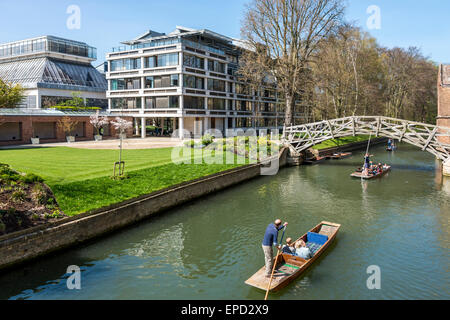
[174,80]
[150,62]
[243,122]
[216,85]
[193,82]
[125,64]
[193,61]
[216,104]
[125,84]
[162,102]
[243,105]
[162,81]
[126,103]
[149,82]
[216,66]
[194,102]
[164,60]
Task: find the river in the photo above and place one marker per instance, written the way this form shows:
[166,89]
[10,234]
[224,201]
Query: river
[206,249]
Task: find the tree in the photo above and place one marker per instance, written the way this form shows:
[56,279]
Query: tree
[67,125]
[409,84]
[285,34]
[98,122]
[347,73]
[10,94]
[122,126]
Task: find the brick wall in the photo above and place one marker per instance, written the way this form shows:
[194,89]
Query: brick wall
[443,86]
[60,136]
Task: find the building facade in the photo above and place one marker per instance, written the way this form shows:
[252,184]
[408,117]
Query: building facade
[51,70]
[187,80]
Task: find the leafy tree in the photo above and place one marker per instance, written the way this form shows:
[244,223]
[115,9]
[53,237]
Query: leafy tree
[10,94]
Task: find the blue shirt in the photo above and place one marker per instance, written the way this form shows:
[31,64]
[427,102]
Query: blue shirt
[271,235]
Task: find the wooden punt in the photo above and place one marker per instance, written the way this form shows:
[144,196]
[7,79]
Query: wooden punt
[315,160]
[338,156]
[391,149]
[360,175]
[290,266]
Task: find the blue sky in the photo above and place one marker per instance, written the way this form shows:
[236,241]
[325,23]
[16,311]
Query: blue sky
[105,23]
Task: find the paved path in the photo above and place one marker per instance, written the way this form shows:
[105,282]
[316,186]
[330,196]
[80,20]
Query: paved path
[135,143]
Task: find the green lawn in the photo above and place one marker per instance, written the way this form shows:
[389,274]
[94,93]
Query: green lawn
[80,178]
[65,165]
[340,142]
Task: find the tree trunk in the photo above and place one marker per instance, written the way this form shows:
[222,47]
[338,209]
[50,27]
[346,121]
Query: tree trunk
[289,115]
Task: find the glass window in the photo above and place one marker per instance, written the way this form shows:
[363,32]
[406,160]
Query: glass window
[149,82]
[216,104]
[216,66]
[174,80]
[193,82]
[194,102]
[193,61]
[125,64]
[216,85]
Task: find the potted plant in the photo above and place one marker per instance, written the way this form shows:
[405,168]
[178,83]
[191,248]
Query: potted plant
[98,122]
[68,125]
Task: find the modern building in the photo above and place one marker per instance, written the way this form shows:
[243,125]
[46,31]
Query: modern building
[51,69]
[187,80]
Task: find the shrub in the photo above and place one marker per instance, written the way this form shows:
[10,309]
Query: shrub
[39,195]
[207,139]
[57,214]
[2,226]
[18,196]
[31,178]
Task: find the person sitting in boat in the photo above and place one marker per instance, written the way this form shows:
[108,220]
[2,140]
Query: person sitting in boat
[380,168]
[302,251]
[288,247]
[270,239]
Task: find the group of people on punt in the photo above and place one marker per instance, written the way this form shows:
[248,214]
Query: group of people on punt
[370,168]
[297,248]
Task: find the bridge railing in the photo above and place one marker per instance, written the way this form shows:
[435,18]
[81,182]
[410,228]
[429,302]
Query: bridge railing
[431,138]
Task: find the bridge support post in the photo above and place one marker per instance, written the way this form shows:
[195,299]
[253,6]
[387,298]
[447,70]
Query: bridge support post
[446,168]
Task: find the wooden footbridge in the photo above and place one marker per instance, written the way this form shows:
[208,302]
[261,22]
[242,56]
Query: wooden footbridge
[433,139]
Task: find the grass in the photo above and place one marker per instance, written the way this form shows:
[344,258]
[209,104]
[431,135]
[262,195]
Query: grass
[64,165]
[339,142]
[80,178]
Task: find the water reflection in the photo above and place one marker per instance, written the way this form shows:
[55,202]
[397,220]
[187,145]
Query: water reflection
[208,248]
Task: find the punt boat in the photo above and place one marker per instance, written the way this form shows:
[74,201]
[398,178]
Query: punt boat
[315,160]
[338,156]
[289,267]
[359,174]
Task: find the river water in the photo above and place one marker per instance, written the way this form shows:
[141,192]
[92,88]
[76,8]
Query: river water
[208,248]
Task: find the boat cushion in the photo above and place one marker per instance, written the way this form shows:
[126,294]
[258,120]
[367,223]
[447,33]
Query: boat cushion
[313,247]
[317,238]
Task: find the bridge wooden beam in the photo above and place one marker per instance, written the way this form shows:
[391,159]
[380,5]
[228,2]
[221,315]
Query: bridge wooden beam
[430,138]
[353,126]
[405,128]
[378,126]
[331,129]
